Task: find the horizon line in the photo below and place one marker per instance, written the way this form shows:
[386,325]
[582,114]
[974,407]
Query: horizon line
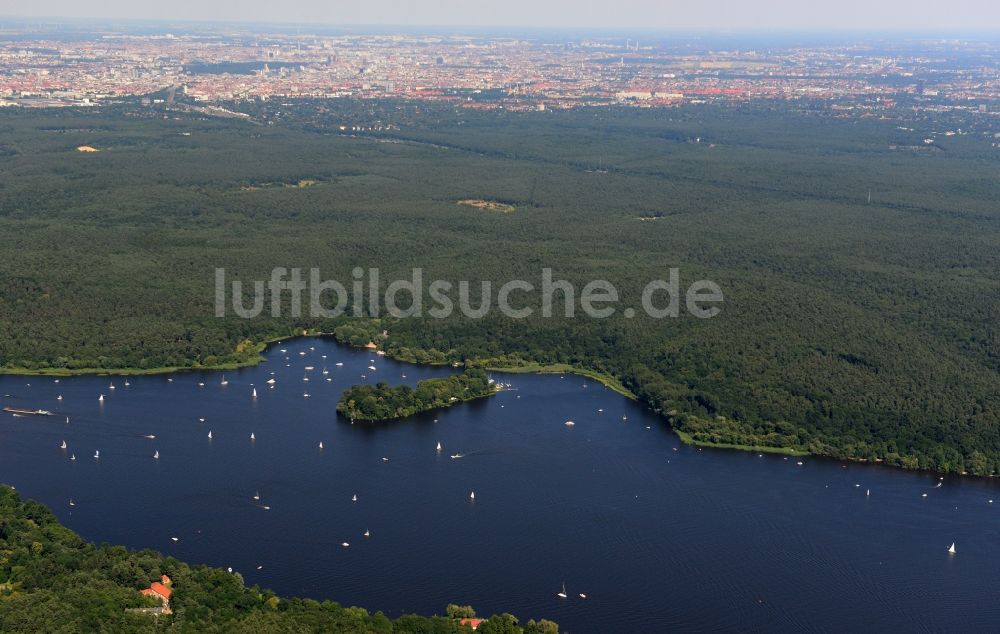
[688,30]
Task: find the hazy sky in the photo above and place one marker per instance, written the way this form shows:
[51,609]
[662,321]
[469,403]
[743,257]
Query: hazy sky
[933,15]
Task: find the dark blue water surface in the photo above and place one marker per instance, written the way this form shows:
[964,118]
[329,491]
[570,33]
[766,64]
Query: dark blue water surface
[658,535]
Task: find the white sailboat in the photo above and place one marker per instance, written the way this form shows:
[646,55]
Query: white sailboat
[271,381]
[367,533]
[210,435]
[72,456]
[59,398]
[252,437]
[472,496]
[255,393]
[439,447]
[111,387]
[97,455]
[224,381]
[951,549]
[63,445]
[321,444]
[562,595]
[256,495]
[100,398]
[569,423]
[156,455]
[354,498]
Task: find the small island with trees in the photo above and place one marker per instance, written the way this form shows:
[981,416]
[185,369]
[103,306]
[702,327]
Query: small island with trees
[384,402]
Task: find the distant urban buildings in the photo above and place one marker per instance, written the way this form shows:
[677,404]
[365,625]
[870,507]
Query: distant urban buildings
[485,72]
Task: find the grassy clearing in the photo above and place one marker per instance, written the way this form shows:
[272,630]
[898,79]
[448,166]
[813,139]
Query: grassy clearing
[688,440]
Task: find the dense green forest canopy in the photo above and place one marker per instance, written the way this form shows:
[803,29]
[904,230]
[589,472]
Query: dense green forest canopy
[385,402]
[51,580]
[850,328]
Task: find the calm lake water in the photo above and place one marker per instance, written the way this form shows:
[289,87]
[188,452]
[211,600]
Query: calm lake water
[658,535]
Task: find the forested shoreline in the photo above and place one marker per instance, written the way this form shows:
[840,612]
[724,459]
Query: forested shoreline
[51,580]
[853,329]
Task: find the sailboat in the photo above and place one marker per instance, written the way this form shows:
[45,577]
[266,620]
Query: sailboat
[63,445]
[97,455]
[71,502]
[100,398]
[256,495]
[127,384]
[255,393]
[111,387]
[570,423]
[271,381]
[59,398]
[321,444]
[156,455]
[224,381]
[210,435]
[252,437]
[439,447]
[472,496]
[72,456]
[951,549]
[367,533]
[339,364]
[67,420]
[562,595]
[354,498]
